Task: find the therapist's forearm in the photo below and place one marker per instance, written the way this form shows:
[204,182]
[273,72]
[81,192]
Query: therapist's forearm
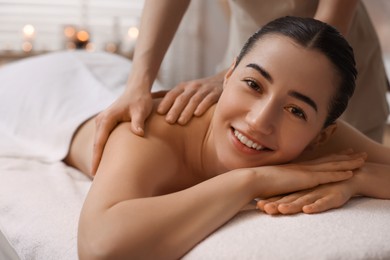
[159,22]
[338,13]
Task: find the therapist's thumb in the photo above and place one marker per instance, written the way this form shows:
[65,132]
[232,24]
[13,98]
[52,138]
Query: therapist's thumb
[138,122]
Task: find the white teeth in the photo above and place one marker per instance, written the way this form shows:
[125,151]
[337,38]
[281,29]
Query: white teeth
[249,143]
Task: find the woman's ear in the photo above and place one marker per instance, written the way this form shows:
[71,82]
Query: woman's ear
[229,72]
[323,136]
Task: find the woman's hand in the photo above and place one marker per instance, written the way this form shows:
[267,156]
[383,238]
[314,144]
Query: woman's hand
[370,180]
[191,98]
[299,177]
[322,198]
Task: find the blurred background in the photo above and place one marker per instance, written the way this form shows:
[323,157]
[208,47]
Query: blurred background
[31,27]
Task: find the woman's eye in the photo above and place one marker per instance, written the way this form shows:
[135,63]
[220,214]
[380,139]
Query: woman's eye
[253,85]
[297,112]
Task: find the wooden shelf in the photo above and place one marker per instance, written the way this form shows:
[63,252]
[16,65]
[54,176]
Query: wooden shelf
[10,56]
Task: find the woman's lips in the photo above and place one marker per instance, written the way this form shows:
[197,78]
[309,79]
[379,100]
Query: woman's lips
[249,143]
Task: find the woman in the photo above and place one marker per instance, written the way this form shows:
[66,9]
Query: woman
[159,195]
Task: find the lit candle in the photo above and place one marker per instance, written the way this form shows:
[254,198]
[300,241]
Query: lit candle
[133,33]
[69,32]
[82,36]
[28,32]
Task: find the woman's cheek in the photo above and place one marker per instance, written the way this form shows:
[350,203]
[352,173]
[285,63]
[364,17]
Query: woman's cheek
[294,145]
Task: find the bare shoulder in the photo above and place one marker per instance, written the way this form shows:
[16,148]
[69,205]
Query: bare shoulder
[133,166]
[347,137]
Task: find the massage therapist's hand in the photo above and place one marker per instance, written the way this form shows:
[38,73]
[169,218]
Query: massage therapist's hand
[288,178]
[191,98]
[134,106]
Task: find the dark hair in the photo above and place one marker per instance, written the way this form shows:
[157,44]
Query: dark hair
[314,34]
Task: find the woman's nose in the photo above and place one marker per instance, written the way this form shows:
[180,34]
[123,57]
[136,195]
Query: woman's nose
[263,117]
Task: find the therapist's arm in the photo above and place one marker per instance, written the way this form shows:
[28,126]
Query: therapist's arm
[337,13]
[159,22]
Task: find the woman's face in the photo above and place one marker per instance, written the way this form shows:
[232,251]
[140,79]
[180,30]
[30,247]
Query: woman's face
[274,104]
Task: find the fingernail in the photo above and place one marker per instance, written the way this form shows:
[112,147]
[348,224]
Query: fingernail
[160,110]
[182,120]
[169,118]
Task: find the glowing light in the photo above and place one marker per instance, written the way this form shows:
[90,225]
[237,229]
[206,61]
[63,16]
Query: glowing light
[111,47]
[69,31]
[70,45]
[27,47]
[133,32]
[82,36]
[28,31]
[90,47]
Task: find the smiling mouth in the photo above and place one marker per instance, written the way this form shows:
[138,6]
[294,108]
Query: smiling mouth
[248,142]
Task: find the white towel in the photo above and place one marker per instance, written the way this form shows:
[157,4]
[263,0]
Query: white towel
[44,99]
[40,204]
[359,230]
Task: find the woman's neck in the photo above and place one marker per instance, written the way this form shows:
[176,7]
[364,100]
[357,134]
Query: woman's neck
[200,150]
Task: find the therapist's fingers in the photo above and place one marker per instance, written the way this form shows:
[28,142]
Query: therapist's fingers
[104,125]
[188,99]
[211,98]
[135,108]
[200,102]
[180,96]
[159,94]
[181,102]
[193,104]
[137,111]
[138,117]
[168,100]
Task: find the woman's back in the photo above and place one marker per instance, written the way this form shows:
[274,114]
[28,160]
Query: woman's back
[174,150]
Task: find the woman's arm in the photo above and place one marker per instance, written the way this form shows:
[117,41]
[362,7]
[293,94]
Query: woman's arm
[347,137]
[126,213]
[371,180]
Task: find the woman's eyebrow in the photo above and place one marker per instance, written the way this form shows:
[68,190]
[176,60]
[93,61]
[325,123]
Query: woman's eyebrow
[303,98]
[292,93]
[261,70]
